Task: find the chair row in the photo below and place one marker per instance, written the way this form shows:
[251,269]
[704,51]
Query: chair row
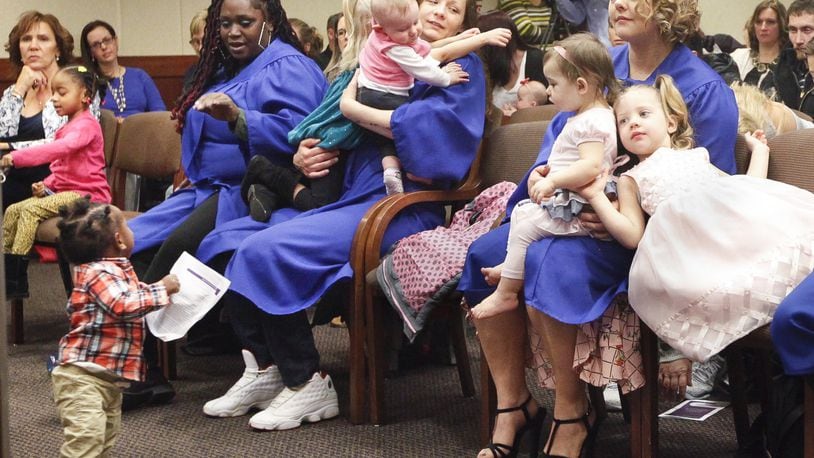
[506,155]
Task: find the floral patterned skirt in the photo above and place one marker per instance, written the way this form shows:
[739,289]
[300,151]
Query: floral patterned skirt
[607,350]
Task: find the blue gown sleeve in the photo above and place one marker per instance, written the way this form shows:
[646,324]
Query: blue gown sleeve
[151,94]
[435,137]
[284,93]
[714,117]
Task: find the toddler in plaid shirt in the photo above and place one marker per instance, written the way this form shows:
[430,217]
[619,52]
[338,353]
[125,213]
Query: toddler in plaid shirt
[102,352]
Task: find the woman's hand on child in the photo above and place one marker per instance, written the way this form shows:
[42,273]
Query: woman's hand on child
[38,189]
[218,105]
[496,37]
[537,174]
[456,73]
[312,160]
[542,190]
[171,284]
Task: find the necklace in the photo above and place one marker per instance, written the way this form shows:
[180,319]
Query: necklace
[118,93]
[763,67]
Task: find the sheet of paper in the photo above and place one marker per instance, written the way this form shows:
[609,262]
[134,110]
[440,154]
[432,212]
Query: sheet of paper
[696,410]
[201,288]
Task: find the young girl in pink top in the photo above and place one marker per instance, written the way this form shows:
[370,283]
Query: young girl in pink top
[395,55]
[77,162]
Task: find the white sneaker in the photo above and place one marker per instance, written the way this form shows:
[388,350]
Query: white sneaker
[613,403]
[704,377]
[314,401]
[255,388]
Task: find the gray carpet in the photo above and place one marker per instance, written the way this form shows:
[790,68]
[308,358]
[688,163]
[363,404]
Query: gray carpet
[427,416]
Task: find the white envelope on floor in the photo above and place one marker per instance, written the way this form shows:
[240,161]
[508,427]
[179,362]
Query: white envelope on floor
[201,288]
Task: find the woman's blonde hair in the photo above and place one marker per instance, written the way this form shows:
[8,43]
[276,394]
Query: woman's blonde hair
[585,56]
[672,103]
[358,26]
[676,19]
[753,107]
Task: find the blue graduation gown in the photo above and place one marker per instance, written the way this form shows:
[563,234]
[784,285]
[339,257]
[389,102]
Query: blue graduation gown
[287,264]
[793,329]
[276,91]
[574,279]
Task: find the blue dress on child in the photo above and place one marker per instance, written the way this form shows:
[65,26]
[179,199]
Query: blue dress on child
[287,264]
[574,279]
[276,91]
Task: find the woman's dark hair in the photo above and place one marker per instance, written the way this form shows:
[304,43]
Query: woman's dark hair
[87,78]
[782,23]
[470,15]
[27,20]
[86,230]
[308,36]
[499,60]
[215,60]
[87,53]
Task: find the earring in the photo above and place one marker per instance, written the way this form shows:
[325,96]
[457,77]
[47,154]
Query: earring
[260,38]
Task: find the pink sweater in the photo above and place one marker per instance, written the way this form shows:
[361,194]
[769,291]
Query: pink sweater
[381,69]
[77,158]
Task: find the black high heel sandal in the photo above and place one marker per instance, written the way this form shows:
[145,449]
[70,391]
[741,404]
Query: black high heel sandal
[587,449]
[532,427]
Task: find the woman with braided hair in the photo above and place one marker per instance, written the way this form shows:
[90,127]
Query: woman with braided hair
[252,85]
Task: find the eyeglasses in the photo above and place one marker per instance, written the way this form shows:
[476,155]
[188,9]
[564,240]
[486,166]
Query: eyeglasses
[103,42]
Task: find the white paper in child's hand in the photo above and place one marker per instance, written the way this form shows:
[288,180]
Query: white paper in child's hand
[201,288]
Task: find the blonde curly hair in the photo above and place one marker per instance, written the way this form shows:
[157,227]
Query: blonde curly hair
[676,19]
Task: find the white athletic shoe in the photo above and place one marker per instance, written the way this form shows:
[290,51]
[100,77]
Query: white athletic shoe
[314,401]
[255,388]
[705,376]
[613,402]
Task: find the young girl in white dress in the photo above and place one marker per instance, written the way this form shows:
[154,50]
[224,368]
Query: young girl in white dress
[719,252]
[581,79]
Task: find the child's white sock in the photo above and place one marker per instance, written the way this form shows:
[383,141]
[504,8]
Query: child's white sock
[392,181]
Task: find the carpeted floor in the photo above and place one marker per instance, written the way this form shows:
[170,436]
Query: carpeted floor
[426,414]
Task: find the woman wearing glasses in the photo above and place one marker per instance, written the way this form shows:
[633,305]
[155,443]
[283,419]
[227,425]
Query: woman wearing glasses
[129,90]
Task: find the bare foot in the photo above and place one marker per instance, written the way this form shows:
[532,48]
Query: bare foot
[497,302]
[492,274]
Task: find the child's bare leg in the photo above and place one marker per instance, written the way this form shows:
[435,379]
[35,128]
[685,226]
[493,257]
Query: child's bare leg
[492,274]
[392,175]
[504,298]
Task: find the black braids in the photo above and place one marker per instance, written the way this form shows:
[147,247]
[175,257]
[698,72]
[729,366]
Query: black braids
[86,230]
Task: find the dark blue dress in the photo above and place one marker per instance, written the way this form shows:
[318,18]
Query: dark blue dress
[793,329]
[574,279]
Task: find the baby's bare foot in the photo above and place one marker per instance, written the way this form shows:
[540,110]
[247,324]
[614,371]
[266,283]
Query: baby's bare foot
[498,302]
[492,274]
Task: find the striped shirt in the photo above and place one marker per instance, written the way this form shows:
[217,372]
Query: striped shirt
[532,21]
[106,310]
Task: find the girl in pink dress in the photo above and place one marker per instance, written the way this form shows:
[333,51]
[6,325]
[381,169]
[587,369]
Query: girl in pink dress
[719,252]
[76,156]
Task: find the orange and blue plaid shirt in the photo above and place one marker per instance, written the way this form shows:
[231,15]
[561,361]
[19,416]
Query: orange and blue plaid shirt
[106,310]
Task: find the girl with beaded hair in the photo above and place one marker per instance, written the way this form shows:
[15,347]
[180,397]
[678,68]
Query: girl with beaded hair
[251,87]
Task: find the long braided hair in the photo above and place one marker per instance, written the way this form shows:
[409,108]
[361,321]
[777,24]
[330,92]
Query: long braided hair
[215,62]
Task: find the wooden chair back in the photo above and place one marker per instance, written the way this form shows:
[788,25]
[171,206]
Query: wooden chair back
[538,113]
[110,129]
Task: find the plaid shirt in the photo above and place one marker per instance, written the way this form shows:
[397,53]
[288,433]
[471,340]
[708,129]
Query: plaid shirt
[106,310]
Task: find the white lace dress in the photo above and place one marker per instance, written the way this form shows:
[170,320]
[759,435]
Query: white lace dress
[719,252]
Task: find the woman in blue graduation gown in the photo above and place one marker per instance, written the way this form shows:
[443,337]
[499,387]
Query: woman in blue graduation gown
[281,267]
[793,329]
[572,280]
[250,89]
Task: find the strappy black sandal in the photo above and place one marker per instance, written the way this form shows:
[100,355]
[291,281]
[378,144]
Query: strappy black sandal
[532,428]
[587,448]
